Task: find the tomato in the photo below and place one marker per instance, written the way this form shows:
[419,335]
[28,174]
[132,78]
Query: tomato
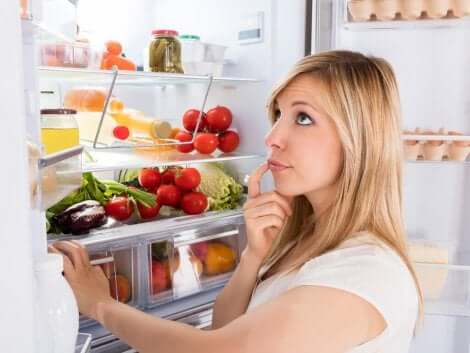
[119,208]
[219,119]
[194,203]
[188,179]
[169,195]
[190,120]
[148,212]
[168,176]
[206,143]
[184,136]
[121,132]
[149,178]
[228,141]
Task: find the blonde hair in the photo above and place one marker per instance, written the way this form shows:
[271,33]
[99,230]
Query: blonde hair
[361,97]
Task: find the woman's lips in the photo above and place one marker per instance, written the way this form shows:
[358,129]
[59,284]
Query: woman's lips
[276,166]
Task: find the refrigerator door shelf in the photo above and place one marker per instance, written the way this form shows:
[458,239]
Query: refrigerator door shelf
[446,288]
[408,25]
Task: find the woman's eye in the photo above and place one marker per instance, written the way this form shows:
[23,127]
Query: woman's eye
[304,119]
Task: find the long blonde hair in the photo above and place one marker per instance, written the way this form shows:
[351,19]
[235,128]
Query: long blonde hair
[361,97]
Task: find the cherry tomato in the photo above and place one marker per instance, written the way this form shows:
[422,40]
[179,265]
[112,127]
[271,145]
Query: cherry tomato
[188,179]
[190,120]
[228,141]
[219,119]
[119,208]
[148,212]
[121,132]
[169,195]
[184,136]
[194,203]
[206,143]
[149,178]
[168,176]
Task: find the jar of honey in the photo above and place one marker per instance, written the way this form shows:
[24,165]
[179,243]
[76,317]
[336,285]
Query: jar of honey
[59,129]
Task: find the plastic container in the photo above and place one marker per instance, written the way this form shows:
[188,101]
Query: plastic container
[59,129]
[411,9]
[56,308]
[65,54]
[360,10]
[193,49]
[165,52]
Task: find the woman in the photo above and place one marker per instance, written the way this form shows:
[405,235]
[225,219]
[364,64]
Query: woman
[325,268]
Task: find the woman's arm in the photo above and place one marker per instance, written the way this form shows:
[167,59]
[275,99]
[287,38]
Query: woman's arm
[233,300]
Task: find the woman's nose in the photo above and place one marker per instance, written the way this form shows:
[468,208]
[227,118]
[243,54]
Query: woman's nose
[276,137]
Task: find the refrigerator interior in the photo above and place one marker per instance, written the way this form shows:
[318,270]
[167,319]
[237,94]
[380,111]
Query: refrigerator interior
[431,59]
[263,63]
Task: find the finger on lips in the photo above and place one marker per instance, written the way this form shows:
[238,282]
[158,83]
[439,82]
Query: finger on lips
[255,179]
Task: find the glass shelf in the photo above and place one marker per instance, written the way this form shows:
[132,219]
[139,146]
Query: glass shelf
[131,78]
[423,24]
[117,159]
[441,163]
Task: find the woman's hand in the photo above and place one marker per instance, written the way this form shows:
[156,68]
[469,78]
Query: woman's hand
[88,282]
[265,215]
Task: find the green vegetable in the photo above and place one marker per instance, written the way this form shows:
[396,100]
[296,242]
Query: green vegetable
[222,191]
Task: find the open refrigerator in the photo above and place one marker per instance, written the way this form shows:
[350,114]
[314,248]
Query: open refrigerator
[264,38]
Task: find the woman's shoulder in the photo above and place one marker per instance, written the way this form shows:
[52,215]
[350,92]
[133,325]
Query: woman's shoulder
[369,269]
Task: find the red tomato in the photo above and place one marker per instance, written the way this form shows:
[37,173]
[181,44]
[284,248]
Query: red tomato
[169,195]
[194,203]
[149,178]
[188,179]
[121,132]
[206,143]
[219,119]
[190,120]
[119,208]
[148,212]
[228,141]
[168,176]
[184,136]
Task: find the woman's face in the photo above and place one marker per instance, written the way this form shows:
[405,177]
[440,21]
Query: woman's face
[305,149]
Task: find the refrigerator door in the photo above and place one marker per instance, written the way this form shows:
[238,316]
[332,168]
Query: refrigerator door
[430,57]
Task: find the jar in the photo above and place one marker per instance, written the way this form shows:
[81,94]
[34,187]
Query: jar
[165,52]
[59,129]
[55,306]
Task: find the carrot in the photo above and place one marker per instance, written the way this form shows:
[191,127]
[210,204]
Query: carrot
[114,47]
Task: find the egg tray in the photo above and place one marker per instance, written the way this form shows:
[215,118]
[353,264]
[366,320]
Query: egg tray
[436,149]
[388,10]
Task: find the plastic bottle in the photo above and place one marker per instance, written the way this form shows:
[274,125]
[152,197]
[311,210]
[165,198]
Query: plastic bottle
[56,308]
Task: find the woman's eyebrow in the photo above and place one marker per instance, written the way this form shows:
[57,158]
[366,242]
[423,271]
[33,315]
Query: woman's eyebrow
[306,103]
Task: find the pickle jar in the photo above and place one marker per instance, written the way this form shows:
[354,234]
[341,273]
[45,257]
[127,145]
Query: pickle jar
[165,52]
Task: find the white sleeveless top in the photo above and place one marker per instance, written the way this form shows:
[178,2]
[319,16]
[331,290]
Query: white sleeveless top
[368,269]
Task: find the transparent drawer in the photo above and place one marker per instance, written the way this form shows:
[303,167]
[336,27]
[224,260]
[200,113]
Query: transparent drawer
[120,267]
[446,288]
[192,262]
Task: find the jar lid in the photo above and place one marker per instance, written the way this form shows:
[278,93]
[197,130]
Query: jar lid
[50,264]
[59,111]
[165,32]
[190,37]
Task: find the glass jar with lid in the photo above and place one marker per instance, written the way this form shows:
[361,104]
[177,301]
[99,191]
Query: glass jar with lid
[59,129]
[165,52]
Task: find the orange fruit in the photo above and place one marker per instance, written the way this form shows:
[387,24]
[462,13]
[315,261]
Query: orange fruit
[220,258]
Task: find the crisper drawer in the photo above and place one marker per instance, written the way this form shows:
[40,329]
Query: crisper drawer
[191,262]
[120,265]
